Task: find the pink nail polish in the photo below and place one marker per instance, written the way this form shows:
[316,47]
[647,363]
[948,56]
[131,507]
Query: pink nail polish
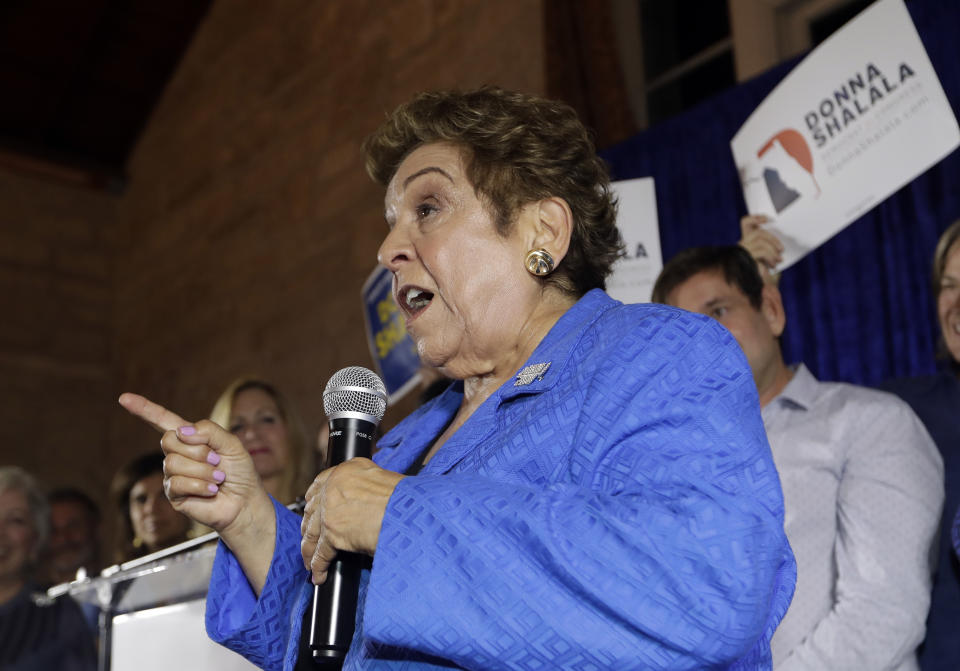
[187,430]
[219,476]
[213,488]
[213,458]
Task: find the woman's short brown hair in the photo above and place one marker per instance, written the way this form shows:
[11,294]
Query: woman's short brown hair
[517,149]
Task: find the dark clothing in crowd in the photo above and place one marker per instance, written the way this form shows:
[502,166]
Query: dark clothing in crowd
[40,634]
[936,400]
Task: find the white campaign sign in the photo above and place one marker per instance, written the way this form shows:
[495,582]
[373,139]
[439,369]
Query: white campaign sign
[859,117]
[633,276]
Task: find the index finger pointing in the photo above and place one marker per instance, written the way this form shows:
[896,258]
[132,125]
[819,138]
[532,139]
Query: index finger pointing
[152,413]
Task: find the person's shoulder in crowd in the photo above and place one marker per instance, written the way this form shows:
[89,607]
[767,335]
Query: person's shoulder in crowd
[45,632]
[934,398]
[852,397]
[955,533]
[918,386]
[865,405]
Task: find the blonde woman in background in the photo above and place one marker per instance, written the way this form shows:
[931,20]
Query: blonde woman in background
[269,429]
[936,400]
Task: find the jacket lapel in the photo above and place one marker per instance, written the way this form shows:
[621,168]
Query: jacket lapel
[541,372]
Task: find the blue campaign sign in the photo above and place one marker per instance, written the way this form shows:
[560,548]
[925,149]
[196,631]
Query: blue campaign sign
[393,351]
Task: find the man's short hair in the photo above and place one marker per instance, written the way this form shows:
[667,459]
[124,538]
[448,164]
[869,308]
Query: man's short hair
[73,495]
[739,269]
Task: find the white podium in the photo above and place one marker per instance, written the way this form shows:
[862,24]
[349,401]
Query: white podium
[152,610]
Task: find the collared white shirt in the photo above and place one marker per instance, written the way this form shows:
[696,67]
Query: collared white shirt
[863,491]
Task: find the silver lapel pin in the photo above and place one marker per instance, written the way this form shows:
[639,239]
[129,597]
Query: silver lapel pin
[530,373]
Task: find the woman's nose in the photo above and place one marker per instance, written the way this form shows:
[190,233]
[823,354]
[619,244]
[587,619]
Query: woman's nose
[248,433]
[150,505]
[395,249]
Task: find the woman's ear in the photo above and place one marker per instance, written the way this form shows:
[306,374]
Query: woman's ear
[553,227]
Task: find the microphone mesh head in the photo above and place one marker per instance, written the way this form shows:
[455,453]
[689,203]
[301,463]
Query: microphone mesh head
[355,389]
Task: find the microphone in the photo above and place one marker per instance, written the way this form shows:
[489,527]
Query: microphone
[354,402]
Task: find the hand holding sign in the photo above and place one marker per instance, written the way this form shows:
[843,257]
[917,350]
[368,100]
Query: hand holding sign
[763,245]
[859,117]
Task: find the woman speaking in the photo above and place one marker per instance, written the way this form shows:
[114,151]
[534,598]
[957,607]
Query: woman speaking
[596,491]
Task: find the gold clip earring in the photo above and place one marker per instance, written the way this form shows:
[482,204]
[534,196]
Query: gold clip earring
[539,262]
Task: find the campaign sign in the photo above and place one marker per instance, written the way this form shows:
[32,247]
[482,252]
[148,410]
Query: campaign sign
[633,275]
[393,351]
[859,117]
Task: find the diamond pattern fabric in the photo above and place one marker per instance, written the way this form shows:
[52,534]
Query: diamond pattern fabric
[622,512]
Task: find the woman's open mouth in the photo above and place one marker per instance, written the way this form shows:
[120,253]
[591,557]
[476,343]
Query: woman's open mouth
[413,300]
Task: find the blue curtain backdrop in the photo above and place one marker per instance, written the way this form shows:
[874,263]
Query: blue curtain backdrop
[859,308]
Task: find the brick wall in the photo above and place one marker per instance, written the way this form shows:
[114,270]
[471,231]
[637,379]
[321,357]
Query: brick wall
[246,231]
[249,225]
[55,330]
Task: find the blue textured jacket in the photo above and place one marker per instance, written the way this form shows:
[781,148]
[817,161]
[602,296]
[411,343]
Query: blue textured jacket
[621,511]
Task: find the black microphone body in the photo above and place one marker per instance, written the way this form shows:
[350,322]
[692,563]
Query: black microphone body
[354,400]
[335,601]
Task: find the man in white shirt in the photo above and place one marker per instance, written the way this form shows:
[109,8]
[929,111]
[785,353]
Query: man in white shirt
[862,481]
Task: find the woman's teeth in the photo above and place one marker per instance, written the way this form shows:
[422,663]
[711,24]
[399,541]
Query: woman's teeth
[417,299]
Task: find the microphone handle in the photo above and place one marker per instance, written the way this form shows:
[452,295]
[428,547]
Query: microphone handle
[334,607]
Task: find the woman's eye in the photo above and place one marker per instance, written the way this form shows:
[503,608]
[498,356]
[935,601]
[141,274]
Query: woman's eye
[424,210]
[236,428]
[719,312]
[268,419]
